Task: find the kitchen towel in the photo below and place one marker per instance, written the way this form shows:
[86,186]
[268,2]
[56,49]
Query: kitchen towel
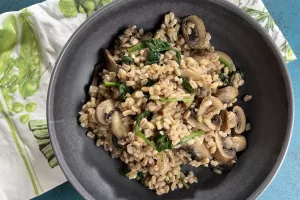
[30,42]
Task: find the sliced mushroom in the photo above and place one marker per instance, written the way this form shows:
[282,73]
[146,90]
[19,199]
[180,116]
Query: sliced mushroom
[111,64]
[217,120]
[241,120]
[237,142]
[198,125]
[215,104]
[227,94]
[225,121]
[223,155]
[196,37]
[117,126]
[232,119]
[191,74]
[202,92]
[103,109]
[95,79]
[198,152]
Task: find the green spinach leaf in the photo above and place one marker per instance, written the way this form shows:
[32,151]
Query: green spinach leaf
[178,56]
[192,136]
[124,89]
[137,47]
[126,59]
[163,142]
[154,57]
[224,78]
[187,86]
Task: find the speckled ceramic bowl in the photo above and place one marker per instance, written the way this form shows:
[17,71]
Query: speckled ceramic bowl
[94,173]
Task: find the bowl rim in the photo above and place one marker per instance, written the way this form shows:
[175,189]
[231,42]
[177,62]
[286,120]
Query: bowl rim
[233,8]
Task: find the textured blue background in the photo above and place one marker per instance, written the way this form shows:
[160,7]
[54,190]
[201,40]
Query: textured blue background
[286,184]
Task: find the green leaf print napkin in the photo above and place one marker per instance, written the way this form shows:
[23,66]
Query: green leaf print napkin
[30,42]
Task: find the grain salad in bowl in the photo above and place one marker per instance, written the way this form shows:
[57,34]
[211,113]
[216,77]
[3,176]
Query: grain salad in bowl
[165,100]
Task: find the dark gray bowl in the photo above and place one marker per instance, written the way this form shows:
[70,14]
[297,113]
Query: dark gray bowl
[94,173]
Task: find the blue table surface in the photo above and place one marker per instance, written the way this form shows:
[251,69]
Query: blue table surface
[285,185]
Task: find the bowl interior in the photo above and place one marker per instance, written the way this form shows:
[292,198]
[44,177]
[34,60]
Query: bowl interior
[94,173]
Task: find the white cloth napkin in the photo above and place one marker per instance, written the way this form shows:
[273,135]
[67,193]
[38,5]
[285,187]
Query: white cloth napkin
[30,42]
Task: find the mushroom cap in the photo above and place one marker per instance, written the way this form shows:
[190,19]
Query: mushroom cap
[223,155]
[196,39]
[198,152]
[111,64]
[227,94]
[239,142]
[198,125]
[241,125]
[117,126]
[225,121]
[102,110]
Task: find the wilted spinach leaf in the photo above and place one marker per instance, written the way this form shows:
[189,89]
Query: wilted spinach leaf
[126,59]
[163,142]
[187,86]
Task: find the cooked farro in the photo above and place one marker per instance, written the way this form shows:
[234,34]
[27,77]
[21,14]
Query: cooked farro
[167,99]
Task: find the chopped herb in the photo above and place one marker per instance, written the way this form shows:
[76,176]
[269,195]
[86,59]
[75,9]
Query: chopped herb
[223,78]
[124,89]
[150,83]
[115,142]
[192,136]
[178,56]
[154,57]
[186,186]
[163,142]
[111,84]
[148,115]
[139,176]
[127,59]
[187,86]
[157,45]
[137,47]
[177,100]
[228,65]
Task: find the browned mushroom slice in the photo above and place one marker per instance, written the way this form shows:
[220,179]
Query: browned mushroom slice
[194,36]
[191,74]
[227,94]
[117,126]
[241,119]
[225,120]
[95,79]
[202,92]
[198,152]
[223,155]
[103,109]
[237,142]
[217,121]
[111,64]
